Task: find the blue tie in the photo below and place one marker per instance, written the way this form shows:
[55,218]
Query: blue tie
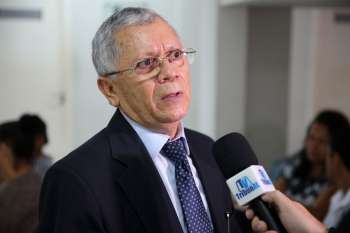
[196,218]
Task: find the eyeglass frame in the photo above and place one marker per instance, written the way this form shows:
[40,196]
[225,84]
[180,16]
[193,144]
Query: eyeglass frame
[160,59]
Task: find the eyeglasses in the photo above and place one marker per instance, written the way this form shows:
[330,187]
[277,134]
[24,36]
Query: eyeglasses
[147,65]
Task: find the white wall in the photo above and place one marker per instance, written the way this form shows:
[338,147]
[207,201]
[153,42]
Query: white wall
[90,111]
[332,68]
[231,75]
[267,81]
[302,75]
[32,71]
[319,58]
[320,68]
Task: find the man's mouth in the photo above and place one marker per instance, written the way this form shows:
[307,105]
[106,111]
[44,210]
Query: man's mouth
[172,95]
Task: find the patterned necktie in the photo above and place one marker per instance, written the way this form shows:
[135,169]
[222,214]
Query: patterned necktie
[196,218]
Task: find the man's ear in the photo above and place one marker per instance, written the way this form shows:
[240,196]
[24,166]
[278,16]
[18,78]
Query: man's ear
[108,89]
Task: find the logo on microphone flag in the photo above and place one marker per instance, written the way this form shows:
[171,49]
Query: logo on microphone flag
[245,186]
[249,184]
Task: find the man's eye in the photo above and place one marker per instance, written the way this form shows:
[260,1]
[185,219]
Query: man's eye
[175,55]
[146,63]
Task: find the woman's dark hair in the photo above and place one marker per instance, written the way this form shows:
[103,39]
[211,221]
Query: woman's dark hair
[334,121]
[341,145]
[21,146]
[33,126]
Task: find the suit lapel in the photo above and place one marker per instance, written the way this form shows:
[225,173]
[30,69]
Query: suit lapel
[140,179]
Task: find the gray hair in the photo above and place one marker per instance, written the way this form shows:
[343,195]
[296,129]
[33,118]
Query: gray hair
[105,51]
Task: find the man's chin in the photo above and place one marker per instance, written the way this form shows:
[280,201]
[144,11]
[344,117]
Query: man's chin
[172,117]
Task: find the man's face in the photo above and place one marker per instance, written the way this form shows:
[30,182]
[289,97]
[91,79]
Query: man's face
[161,97]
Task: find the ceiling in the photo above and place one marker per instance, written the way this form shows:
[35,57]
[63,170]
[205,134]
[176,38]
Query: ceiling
[286,2]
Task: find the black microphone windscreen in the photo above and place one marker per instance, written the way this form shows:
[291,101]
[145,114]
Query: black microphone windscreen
[233,154]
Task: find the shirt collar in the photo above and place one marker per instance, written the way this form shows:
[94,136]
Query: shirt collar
[155,141]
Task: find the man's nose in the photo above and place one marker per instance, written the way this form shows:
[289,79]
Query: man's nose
[168,71]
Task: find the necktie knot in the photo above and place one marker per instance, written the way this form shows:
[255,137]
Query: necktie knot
[175,150]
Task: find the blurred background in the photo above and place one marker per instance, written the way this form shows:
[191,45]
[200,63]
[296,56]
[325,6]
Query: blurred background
[264,67]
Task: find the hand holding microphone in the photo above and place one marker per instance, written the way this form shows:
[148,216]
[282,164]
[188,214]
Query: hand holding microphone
[294,217]
[246,179]
[249,184]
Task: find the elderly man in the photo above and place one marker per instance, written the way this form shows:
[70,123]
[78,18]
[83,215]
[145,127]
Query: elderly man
[144,172]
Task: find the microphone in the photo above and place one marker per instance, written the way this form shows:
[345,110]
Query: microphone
[246,179]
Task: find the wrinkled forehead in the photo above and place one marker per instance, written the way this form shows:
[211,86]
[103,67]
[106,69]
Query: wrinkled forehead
[147,40]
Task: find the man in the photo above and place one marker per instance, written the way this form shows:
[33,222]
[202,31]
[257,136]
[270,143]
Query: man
[144,172]
[295,217]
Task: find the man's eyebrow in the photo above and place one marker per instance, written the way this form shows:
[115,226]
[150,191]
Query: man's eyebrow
[153,53]
[149,53]
[171,47]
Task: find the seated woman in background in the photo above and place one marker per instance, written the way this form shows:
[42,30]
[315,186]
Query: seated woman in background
[20,188]
[303,176]
[35,128]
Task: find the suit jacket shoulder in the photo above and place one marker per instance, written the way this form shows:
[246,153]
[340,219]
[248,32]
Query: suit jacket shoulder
[198,136]
[108,184]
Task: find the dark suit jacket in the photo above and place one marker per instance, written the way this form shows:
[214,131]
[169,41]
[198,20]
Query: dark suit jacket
[110,184]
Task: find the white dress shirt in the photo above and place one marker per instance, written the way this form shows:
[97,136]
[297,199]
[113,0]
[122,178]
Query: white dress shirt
[340,204]
[154,142]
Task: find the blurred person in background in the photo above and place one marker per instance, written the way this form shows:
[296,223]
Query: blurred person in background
[35,128]
[295,218]
[338,172]
[7,170]
[19,191]
[303,176]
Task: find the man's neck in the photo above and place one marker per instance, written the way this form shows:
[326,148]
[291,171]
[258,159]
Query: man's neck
[170,129]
